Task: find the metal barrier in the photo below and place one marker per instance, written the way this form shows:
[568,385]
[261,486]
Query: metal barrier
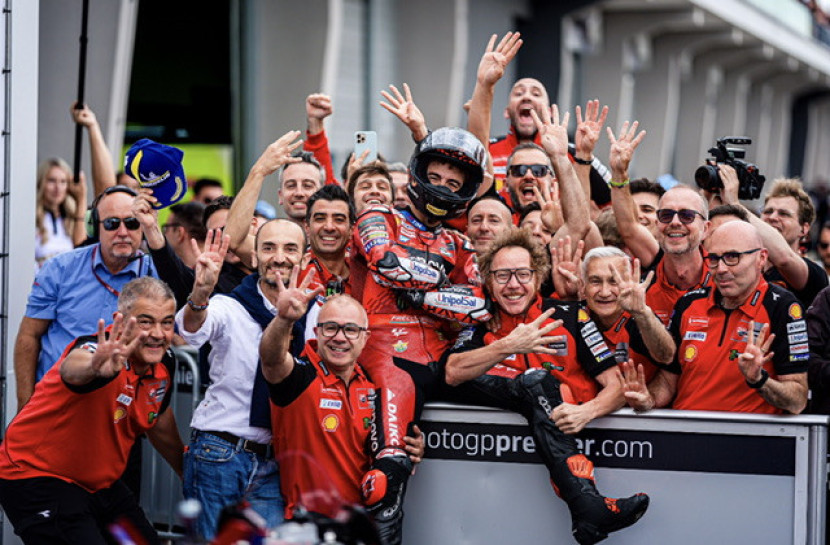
[712,478]
[161,488]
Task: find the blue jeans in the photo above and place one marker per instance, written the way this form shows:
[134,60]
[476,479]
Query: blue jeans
[218,474]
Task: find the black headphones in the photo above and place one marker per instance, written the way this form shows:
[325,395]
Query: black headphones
[92,225]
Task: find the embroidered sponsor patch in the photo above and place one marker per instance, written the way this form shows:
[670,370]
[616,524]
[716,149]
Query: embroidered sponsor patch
[582,316]
[365,398]
[119,415]
[695,336]
[599,347]
[594,338]
[589,328]
[800,349]
[698,321]
[330,423]
[334,404]
[795,311]
[799,357]
[794,327]
[605,355]
[372,243]
[621,352]
[124,399]
[797,338]
[690,353]
[89,346]
[400,346]
[465,336]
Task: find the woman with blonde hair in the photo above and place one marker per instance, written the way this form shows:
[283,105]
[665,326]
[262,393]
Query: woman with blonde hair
[61,210]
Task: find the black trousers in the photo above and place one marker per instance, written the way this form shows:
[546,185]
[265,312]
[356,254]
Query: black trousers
[48,510]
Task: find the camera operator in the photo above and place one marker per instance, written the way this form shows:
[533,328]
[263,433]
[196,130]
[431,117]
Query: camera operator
[788,213]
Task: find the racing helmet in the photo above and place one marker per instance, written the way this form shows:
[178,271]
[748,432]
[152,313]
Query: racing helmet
[459,148]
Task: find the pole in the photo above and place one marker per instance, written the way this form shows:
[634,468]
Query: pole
[79,129]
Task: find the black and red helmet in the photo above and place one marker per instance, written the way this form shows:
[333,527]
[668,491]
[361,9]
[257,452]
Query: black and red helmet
[459,148]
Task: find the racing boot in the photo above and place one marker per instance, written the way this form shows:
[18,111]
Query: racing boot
[383,488]
[593,516]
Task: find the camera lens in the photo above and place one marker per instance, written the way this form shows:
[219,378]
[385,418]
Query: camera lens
[707,178]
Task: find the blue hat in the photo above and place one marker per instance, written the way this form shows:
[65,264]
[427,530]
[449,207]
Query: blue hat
[157,167]
[266,210]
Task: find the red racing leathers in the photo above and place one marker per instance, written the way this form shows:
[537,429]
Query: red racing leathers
[402,255]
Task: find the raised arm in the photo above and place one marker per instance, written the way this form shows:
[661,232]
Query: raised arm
[317,108]
[208,265]
[637,237]
[78,192]
[791,266]
[82,366]
[632,297]
[490,71]
[588,131]
[404,108]
[554,138]
[572,419]
[103,172]
[292,302]
[238,225]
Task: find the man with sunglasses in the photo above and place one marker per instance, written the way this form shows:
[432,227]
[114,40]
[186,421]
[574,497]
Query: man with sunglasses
[742,344]
[518,362]
[676,255]
[72,291]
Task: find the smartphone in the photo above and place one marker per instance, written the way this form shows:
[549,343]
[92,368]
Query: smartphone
[366,140]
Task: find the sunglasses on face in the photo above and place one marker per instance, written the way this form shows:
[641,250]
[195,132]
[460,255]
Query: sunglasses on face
[112,224]
[729,258]
[520,170]
[686,215]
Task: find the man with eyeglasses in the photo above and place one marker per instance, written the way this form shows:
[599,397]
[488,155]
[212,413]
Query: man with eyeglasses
[62,455]
[72,291]
[787,215]
[230,457]
[741,344]
[323,401]
[519,365]
[676,255]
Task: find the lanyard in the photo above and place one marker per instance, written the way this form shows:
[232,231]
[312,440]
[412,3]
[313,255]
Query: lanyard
[101,280]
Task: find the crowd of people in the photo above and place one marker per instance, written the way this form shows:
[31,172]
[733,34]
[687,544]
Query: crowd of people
[516,272]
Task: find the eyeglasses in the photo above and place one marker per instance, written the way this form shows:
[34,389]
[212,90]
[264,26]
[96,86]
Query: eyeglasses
[112,224]
[687,215]
[502,276]
[330,329]
[169,226]
[729,258]
[520,170]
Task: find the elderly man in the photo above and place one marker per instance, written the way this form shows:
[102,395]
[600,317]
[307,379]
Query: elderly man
[616,301]
[230,455]
[63,453]
[742,345]
[76,289]
[520,366]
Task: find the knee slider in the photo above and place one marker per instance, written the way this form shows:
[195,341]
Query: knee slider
[373,487]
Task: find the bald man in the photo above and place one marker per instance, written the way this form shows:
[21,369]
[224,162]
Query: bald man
[727,359]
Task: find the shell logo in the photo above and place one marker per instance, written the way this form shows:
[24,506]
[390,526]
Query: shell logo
[795,311]
[581,315]
[690,353]
[330,423]
[120,413]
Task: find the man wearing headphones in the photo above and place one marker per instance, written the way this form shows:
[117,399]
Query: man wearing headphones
[72,291]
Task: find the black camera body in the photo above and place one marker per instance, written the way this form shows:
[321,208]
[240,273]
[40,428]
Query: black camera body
[750,179]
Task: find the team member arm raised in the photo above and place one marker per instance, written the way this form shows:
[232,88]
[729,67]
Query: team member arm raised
[292,303]
[206,274]
[637,237]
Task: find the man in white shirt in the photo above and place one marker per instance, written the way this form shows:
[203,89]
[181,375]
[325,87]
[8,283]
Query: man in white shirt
[230,457]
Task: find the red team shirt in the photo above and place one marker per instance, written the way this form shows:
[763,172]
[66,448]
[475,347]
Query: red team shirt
[83,434]
[321,430]
[709,339]
[661,295]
